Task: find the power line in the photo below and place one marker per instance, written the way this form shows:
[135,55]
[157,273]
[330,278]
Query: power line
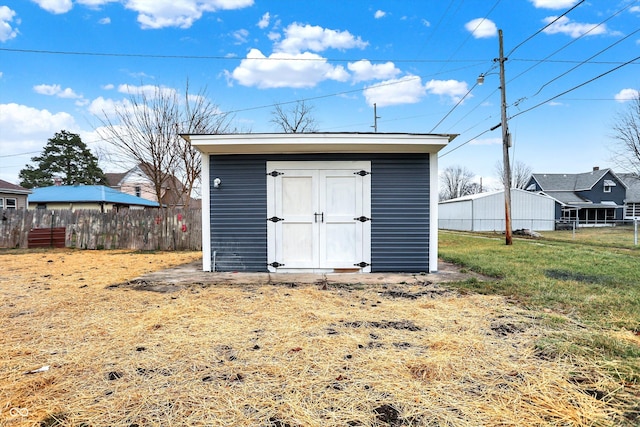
[572,41]
[584,62]
[544,102]
[544,28]
[576,87]
[225,58]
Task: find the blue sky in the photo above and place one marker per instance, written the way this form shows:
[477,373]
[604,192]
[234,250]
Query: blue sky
[65,62]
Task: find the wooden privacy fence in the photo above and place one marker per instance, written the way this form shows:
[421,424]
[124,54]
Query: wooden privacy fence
[148,229]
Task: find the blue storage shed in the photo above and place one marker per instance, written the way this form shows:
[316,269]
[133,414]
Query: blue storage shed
[320,202]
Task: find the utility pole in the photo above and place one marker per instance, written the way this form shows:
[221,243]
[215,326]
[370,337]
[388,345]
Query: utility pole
[506,142]
[375,119]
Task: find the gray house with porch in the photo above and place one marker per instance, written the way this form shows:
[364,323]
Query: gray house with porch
[590,198]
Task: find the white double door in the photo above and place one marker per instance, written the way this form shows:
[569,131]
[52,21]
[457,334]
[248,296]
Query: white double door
[319,216]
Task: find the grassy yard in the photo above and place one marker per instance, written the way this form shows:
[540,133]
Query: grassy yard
[592,282]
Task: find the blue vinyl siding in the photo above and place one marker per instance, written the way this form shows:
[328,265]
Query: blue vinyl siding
[238,214]
[400,212]
[399,208]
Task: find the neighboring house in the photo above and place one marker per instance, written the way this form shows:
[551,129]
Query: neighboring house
[138,182]
[13,196]
[76,197]
[486,212]
[320,202]
[632,200]
[591,198]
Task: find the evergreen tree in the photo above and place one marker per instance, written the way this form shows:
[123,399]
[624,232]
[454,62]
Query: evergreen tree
[66,157]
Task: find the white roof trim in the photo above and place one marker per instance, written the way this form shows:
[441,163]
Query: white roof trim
[299,143]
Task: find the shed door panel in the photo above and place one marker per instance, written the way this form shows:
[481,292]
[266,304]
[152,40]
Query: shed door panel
[340,237]
[318,204]
[296,200]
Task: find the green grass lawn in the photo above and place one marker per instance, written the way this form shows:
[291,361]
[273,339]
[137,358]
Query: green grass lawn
[593,283]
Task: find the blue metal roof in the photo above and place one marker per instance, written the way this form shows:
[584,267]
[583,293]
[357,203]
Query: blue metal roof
[86,194]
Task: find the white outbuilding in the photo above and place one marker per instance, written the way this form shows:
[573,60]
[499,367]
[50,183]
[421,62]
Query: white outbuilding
[486,212]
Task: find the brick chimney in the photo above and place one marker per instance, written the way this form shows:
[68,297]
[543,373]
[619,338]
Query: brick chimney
[596,168]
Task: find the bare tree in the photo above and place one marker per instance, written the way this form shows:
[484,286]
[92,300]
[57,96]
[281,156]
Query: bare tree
[146,130]
[298,119]
[520,174]
[457,181]
[626,135]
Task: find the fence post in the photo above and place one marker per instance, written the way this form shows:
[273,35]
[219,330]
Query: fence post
[635,231]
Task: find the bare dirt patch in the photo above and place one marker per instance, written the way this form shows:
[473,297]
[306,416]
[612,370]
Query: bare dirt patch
[264,352]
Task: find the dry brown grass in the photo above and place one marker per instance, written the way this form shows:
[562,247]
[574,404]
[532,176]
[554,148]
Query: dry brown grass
[269,355]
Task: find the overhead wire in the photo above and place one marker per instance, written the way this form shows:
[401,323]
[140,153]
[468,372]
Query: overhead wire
[566,45]
[576,87]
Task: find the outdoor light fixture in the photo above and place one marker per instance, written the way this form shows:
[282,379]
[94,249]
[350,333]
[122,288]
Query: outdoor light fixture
[480,79]
[217,182]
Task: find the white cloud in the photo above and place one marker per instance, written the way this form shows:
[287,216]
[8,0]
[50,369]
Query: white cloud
[108,86]
[299,70]
[154,14]
[105,106]
[26,130]
[95,4]
[148,91]
[634,9]
[364,70]
[574,29]
[7,31]
[426,23]
[627,95]
[105,21]
[379,14]
[18,119]
[553,4]
[453,89]
[56,90]
[264,21]
[406,90]
[299,38]
[241,36]
[481,28]
[178,13]
[55,6]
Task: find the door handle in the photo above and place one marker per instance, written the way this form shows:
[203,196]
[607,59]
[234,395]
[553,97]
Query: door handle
[315,217]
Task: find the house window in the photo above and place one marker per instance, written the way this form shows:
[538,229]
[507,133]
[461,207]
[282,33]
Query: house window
[41,206]
[11,203]
[1,203]
[138,190]
[608,184]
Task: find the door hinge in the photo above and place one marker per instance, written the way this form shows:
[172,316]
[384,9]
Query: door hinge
[275,219]
[276,264]
[362,264]
[362,173]
[275,173]
[362,219]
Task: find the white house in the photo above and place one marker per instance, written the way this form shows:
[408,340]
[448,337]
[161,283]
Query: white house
[486,212]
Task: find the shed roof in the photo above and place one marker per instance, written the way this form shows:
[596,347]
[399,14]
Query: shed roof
[86,194]
[296,143]
[491,193]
